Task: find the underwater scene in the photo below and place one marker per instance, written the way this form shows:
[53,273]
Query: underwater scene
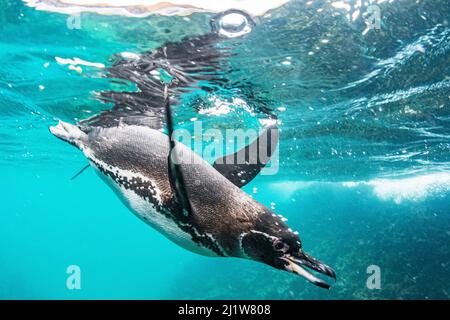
[359,94]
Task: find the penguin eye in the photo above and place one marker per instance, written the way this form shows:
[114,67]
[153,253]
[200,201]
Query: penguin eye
[280,246]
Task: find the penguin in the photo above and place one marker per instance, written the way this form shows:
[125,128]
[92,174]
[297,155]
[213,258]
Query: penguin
[224,221]
[199,206]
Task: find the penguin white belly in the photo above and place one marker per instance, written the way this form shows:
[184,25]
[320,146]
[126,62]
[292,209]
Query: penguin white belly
[148,212]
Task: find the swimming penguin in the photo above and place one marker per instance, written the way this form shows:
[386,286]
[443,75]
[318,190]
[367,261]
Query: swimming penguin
[224,221]
[199,206]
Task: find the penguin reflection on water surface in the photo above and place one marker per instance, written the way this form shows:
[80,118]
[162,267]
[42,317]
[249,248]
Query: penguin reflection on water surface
[196,205]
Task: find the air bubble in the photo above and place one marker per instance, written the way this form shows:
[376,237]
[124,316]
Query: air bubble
[232,24]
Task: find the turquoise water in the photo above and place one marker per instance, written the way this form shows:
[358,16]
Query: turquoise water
[365,155]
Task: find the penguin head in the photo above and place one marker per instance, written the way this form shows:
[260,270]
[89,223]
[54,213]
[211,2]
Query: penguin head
[282,249]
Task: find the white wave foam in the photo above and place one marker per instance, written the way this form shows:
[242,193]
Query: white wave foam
[77,61]
[416,188]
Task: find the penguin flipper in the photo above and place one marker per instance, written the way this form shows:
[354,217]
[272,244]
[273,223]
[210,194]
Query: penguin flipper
[243,166]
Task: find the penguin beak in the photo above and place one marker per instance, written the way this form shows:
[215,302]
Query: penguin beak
[301,261]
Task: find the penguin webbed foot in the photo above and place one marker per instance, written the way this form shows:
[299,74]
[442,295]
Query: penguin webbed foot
[67,132]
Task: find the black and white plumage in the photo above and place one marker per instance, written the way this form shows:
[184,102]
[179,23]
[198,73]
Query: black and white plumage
[129,151]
